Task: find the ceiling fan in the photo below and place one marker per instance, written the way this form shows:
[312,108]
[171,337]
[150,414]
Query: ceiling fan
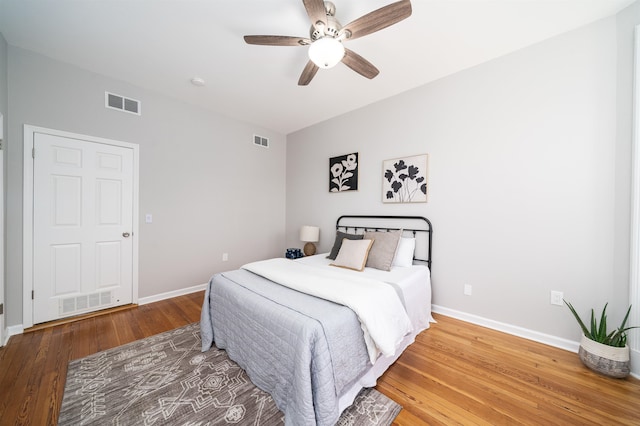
[326,37]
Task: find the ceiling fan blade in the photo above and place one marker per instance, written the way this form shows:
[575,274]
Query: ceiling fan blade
[359,64]
[378,19]
[316,11]
[308,73]
[271,40]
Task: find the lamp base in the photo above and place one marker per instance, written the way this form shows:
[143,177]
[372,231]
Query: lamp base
[309,249]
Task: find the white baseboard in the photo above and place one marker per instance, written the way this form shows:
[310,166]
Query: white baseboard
[12,330]
[635,363]
[19,329]
[536,336]
[170,294]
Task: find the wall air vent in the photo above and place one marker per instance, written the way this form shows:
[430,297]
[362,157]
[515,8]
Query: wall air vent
[121,103]
[261,141]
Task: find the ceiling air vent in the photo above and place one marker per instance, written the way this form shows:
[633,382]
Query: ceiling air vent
[113,101]
[261,141]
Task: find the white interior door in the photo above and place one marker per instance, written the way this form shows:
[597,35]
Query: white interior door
[82,226]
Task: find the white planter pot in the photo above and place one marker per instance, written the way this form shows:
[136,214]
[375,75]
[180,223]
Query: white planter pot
[604,359]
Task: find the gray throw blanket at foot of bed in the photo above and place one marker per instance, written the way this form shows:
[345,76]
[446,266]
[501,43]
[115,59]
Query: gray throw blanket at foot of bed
[303,350]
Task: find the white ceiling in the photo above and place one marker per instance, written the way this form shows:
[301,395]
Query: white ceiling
[161,44]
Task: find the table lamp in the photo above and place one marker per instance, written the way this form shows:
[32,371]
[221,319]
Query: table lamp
[310,235]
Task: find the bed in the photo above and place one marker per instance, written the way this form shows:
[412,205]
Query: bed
[313,334]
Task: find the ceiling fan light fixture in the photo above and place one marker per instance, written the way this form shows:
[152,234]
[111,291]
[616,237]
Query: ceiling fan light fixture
[326,52]
[326,36]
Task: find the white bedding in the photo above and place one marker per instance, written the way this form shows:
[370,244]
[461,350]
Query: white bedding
[378,305]
[415,282]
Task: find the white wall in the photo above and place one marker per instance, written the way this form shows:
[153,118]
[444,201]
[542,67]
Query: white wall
[626,21]
[210,190]
[523,156]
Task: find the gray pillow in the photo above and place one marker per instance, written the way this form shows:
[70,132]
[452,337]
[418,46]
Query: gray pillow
[338,243]
[383,249]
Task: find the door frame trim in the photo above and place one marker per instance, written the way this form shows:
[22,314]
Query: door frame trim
[27,211]
[3,316]
[634,273]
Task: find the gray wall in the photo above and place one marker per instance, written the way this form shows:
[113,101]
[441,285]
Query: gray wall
[4,99]
[526,196]
[3,77]
[210,190]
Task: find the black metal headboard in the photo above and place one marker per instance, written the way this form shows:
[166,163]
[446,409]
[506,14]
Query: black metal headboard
[418,226]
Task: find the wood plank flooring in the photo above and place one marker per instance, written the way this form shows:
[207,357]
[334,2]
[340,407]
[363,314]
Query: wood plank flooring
[455,373]
[458,373]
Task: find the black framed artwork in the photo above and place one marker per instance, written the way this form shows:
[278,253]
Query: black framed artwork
[343,173]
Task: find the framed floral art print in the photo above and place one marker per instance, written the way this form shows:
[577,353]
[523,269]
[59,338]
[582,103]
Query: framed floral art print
[404,180]
[343,173]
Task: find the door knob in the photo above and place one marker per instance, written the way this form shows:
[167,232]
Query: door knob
[125,234]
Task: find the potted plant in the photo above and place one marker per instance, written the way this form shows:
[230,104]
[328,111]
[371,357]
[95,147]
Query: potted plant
[602,351]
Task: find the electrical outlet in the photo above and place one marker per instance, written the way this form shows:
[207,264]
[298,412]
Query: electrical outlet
[225,257]
[468,290]
[556,298]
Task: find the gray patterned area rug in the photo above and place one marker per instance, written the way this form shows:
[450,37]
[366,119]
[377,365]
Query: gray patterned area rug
[165,379]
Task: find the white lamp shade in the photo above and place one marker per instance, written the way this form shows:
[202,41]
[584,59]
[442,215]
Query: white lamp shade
[326,52]
[309,233]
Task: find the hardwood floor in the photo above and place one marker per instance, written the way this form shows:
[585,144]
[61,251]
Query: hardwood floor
[33,366]
[455,373]
[460,373]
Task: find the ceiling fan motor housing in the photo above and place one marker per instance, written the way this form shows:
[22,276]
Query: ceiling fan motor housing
[332,29]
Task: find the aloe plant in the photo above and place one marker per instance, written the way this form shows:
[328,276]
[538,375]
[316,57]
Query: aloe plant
[598,331]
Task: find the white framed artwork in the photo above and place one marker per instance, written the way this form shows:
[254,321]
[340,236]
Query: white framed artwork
[404,180]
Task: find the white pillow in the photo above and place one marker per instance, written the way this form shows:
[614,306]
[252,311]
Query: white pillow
[404,254]
[353,254]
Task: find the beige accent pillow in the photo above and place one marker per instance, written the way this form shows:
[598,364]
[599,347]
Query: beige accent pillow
[353,254]
[383,250]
